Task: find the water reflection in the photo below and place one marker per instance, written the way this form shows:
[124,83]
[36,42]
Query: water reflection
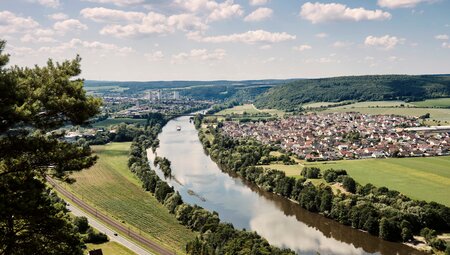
[280,221]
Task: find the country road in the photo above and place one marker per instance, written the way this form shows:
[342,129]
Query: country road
[132,235]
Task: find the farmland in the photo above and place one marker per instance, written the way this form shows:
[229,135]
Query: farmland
[436,114]
[109,248]
[439,103]
[419,178]
[115,191]
[250,109]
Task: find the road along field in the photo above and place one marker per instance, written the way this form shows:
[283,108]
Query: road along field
[424,178]
[115,191]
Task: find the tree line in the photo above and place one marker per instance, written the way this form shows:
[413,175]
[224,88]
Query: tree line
[214,237]
[292,96]
[380,211]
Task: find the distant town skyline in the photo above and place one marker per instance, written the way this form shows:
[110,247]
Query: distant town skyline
[149,40]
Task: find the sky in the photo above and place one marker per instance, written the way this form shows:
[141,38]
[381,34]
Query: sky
[149,40]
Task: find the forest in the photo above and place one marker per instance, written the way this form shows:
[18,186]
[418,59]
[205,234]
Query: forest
[291,96]
[385,213]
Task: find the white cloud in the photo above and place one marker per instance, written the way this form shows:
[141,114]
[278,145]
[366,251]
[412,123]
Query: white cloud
[58,16]
[154,56]
[249,37]
[302,47]
[342,44]
[265,47]
[319,12]
[226,10]
[100,14]
[10,23]
[156,23]
[386,42]
[401,3]
[94,46]
[446,45]
[441,37]
[394,59]
[259,14]
[199,54]
[69,25]
[19,51]
[28,38]
[216,11]
[258,2]
[323,60]
[120,3]
[321,35]
[49,3]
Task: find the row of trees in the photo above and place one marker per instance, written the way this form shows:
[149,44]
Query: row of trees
[215,237]
[379,211]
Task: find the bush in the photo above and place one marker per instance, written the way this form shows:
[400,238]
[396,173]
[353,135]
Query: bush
[95,237]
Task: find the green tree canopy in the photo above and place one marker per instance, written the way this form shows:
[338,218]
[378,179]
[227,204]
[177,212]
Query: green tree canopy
[34,102]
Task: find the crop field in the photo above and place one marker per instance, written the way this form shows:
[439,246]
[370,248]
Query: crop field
[319,104]
[290,170]
[115,191]
[436,114]
[376,104]
[251,109]
[111,122]
[109,248]
[439,103]
[419,178]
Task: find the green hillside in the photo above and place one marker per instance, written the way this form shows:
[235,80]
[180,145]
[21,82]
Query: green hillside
[361,88]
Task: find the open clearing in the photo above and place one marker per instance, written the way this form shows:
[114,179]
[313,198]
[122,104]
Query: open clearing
[419,178]
[109,248]
[111,187]
[439,102]
[250,109]
[436,114]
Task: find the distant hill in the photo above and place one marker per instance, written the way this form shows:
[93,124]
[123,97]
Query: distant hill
[292,95]
[212,90]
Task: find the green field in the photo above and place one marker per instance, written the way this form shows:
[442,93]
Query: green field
[109,248]
[250,109]
[376,104]
[439,103]
[419,178]
[290,170]
[111,122]
[113,189]
[436,114]
[319,104]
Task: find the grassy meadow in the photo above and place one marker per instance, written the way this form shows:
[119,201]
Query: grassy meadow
[436,114]
[109,248]
[438,102]
[250,109]
[111,187]
[419,178]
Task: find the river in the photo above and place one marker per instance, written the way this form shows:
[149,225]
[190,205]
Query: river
[283,223]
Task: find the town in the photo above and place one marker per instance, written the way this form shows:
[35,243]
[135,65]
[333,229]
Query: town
[335,136]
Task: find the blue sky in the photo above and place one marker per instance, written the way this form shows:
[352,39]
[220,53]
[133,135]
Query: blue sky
[226,39]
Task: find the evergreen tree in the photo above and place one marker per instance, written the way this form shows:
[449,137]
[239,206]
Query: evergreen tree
[34,102]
